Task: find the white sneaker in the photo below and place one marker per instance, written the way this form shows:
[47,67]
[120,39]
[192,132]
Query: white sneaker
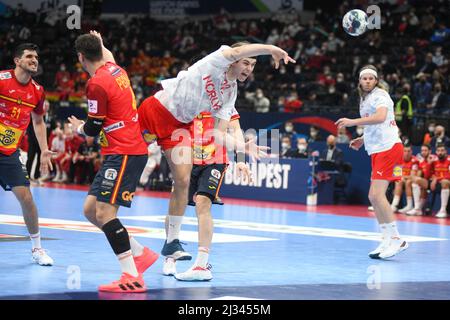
[375,253]
[169,267]
[195,273]
[405,209]
[41,257]
[370,208]
[441,214]
[415,212]
[395,247]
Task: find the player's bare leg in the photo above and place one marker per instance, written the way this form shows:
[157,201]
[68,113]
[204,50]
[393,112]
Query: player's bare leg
[200,270]
[180,163]
[409,196]
[445,185]
[30,216]
[391,243]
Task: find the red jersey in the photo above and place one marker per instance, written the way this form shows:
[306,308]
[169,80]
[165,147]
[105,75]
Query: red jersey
[111,98]
[17,101]
[441,168]
[425,166]
[205,150]
[408,166]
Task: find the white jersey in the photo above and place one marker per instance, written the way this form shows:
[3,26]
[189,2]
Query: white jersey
[379,137]
[203,87]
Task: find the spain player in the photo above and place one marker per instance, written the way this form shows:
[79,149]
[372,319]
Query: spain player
[21,98]
[383,144]
[440,169]
[410,166]
[208,85]
[210,162]
[421,180]
[112,114]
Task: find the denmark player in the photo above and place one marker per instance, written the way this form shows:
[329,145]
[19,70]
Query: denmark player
[112,114]
[21,98]
[384,146]
[208,85]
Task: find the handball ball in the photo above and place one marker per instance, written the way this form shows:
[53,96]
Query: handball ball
[355,22]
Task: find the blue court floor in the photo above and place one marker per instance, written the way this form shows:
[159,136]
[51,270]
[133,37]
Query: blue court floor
[258,252]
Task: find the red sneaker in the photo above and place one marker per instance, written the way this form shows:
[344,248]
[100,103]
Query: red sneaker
[126,284]
[145,260]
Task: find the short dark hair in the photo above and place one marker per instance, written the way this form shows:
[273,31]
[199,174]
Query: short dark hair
[441,145]
[427,146]
[20,49]
[90,46]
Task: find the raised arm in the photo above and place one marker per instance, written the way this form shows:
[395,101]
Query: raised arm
[252,50]
[107,55]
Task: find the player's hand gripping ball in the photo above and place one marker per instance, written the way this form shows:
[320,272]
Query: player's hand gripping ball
[355,22]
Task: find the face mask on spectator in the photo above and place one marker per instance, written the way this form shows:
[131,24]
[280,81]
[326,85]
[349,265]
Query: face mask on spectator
[285,145]
[360,131]
[259,95]
[289,128]
[282,71]
[431,129]
[297,70]
[301,147]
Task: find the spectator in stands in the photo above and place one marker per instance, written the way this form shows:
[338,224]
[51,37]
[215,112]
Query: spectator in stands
[441,34]
[58,147]
[422,91]
[333,153]
[293,104]
[342,136]
[404,109]
[439,100]
[301,151]
[430,133]
[440,137]
[409,61]
[289,130]
[429,66]
[314,134]
[286,147]
[438,58]
[261,104]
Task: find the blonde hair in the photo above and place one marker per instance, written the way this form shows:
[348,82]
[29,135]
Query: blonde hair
[378,85]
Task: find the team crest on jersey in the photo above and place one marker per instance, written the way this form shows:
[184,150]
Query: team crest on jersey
[111,174]
[93,106]
[397,172]
[149,138]
[5,75]
[216,173]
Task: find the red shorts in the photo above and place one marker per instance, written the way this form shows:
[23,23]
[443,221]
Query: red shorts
[157,123]
[387,165]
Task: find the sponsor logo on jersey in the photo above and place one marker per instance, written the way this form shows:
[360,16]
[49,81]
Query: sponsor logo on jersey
[127,196]
[9,136]
[149,137]
[111,174]
[114,126]
[397,171]
[210,89]
[93,106]
[5,75]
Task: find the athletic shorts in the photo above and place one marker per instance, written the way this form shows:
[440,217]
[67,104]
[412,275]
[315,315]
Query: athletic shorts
[13,173]
[157,123]
[116,180]
[387,165]
[206,180]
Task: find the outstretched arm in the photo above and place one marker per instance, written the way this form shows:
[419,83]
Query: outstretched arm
[107,55]
[252,50]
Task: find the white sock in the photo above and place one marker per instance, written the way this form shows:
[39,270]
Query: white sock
[202,257]
[409,202]
[127,263]
[392,230]
[174,228]
[416,194]
[35,240]
[136,248]
[396,201]
[444,199]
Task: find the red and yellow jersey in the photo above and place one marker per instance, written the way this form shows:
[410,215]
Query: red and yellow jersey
[205,150]
[425,166]
[408,166]
[111,98]
[17,101]
[441,168]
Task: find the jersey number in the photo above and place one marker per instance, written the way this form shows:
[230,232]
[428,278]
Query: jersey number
[15,113]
